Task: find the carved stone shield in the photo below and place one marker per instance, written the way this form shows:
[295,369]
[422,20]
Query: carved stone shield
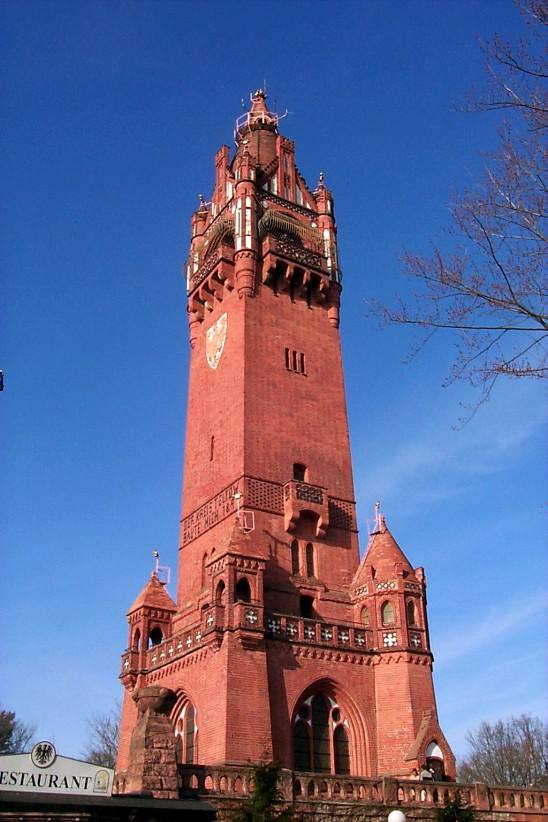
[215,340]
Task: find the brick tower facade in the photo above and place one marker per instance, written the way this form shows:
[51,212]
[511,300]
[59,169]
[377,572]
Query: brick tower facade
[281,644]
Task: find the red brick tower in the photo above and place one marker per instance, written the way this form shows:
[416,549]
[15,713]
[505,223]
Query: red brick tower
[281,644]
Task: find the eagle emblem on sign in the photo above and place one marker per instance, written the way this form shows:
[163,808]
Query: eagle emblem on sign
[215,340]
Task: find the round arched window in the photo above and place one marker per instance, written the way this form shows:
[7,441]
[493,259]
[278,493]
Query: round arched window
[387,613]
[411,613]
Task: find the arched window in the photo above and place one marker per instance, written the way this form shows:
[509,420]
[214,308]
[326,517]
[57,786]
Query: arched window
[387,613]
[364,616]
[136,644]
[340,750]
[299,472]
[242,592]
[295,557]
[155,637]
[411,612]
[309,552]
[220,595]
[320,737]
[185,732]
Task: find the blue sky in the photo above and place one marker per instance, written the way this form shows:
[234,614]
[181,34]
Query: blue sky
[113,112]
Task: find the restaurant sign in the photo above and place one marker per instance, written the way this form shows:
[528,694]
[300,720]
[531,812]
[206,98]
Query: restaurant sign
[43,771]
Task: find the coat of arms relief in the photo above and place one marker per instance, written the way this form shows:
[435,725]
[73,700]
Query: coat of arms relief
[215,340]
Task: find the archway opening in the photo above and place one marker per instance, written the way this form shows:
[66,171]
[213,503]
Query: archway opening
[242,592]
[220,594]
[155,637]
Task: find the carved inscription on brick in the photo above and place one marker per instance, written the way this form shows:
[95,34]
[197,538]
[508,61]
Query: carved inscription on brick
[210,513]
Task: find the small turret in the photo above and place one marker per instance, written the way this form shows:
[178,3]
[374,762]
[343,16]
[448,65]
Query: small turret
[384,555]
[256,130]
[389,595]
[150,617]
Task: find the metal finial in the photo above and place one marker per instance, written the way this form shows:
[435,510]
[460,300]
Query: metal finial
[378,515]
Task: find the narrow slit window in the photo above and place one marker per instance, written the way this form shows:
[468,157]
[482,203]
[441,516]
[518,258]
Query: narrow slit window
[295,361]
[309,560]
[294,557]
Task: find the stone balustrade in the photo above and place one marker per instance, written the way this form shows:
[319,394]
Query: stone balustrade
[215,620]
[250,617]
[233,781]
[317,632]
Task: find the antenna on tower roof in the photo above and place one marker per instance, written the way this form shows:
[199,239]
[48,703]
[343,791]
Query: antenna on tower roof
[374,525]
[162,572]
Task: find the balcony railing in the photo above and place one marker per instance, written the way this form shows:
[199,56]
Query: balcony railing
[316,632]
[236,781]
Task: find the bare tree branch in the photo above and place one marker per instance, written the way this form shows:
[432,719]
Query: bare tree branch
[492,280]
[509,752]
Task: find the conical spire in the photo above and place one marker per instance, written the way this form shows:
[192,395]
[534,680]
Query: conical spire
[384,553]
[153,595]
[259,115]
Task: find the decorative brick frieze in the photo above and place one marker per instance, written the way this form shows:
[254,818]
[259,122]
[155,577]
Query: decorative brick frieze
[287,205]
[342,514]
[263,495]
